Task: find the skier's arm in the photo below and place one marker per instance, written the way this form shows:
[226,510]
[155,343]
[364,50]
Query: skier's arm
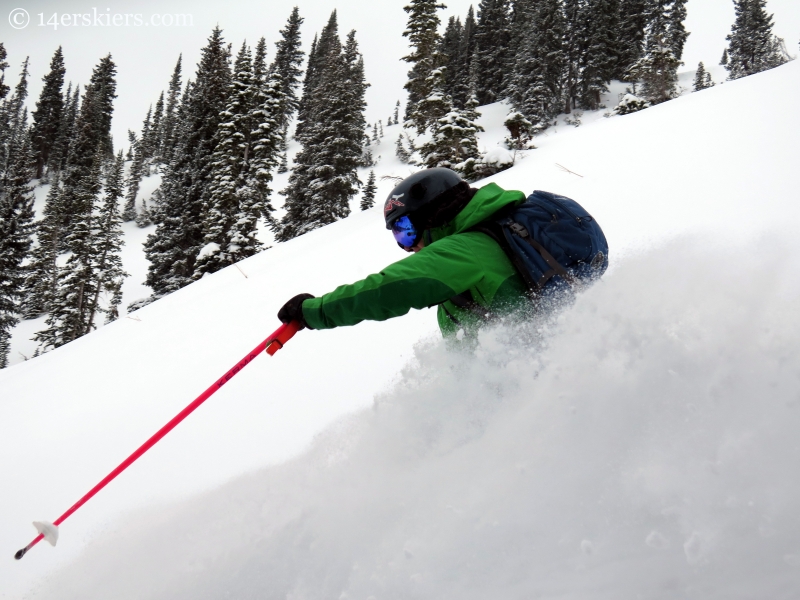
[437,272]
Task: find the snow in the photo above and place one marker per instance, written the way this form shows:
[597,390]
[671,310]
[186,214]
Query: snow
[643,444]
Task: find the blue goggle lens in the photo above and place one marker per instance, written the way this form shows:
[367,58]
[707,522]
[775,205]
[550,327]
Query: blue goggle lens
[404,232]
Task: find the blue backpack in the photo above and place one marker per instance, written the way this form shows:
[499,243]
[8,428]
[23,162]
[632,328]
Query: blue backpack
[551,240]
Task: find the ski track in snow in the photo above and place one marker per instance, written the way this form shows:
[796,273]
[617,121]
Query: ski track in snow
[654,455]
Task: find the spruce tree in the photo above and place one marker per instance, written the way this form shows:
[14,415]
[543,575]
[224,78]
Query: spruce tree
[13,120]
[368,199]
[143,218]
[229,199]
[173,248]
[448,49]
[400,150]
[16,229]
[324,178]
[4,89]
[41,278]
[702,79]
[657,69]
[536,90]
[454,142]
[752,47]
[134,178]
[599,55]
[287,63]
[48,113]
[423,37]
[70,307]
[155,143]
[60,150]
[169,124]
[103,84]
[107,244]
[631,35]
[492,55]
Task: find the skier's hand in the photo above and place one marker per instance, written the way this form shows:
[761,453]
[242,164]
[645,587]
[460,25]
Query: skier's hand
[293,310]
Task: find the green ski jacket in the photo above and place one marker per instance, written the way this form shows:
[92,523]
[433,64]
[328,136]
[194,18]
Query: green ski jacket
[453,261]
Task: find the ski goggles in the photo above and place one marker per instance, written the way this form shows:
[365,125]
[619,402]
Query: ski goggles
[404,232]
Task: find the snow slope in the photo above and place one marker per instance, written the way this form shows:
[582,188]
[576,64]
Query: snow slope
[642,446]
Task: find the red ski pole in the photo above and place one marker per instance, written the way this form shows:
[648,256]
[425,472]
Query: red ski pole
[272,344]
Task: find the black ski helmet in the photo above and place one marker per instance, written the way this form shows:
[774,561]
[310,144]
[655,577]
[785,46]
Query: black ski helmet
[416,191]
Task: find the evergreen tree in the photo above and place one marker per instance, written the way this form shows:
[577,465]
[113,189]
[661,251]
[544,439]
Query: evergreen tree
[13,120]
[702,79]
[574,47]
[4,89]
[448,49]
[173,248]
[324,177]
[630,39]
[400,150]
[16,229]
[752,47]
[368,199]
[169,124]
[492,42]
[41,279]
[676,32]
[658,67]
[107,244]
[724,60]
[134,178]
[70,307]
[397,113]
[454,142]
[60,150]
[103,86]
[466,52]
[599,57]
[268,140]
[143,218]
[48,113]
[287,63]
[437,104]
[155,142]
[423,36]
[304,108]
[232,208]
[537,87]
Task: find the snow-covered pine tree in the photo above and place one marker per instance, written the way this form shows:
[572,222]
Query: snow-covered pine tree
[492,42]
[287,63]
[16,229]
[324,178]
[107,245]
[536,90]
[4,89]
[268,141]
[454,142]
[630,36]
[153,146]
[69,308]
[437,103]
[145,141]
[400,150]
[91,134]
[702,79]
[573,54]
[397,113]
[724,60]
[60,150]
[448,50]
[368,199]
[169,125]
[676,32]
[173,248]
[143,218]
[104,86]
[657,69]
[136,172]
[423,37]
[459,67]
[599,30]
[13,121]
[304,108]
[752,46]
[40,281]
[48,113]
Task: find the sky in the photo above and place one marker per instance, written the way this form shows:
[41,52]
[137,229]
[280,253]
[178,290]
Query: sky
[146,53]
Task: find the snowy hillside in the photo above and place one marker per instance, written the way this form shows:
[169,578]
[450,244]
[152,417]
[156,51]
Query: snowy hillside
[644,446]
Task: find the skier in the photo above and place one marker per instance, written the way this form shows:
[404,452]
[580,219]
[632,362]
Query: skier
[433,214]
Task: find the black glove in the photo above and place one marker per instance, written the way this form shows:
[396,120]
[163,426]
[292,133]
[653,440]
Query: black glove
[293,310]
